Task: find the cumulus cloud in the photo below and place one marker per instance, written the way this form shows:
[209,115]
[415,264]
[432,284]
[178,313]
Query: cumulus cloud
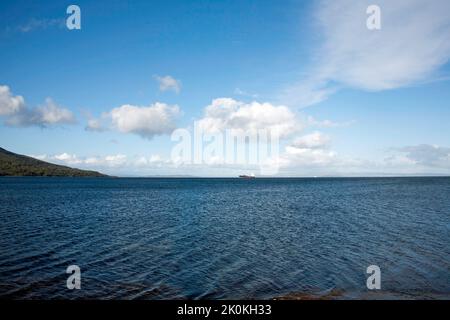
[310,150]
[168,83]
[147,122]
[67,158]
[307,151]
[10,104]
[16,113]
[410,47]
[49,114]
[227,113]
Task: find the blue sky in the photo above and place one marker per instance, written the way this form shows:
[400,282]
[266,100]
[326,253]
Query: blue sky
[373,102]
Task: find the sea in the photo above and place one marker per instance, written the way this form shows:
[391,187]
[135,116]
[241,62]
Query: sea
[225,238]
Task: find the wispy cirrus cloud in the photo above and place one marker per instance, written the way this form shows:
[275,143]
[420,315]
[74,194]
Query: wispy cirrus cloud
[313,122]
[408,50]
[41,24]
[244,93]
[35,24]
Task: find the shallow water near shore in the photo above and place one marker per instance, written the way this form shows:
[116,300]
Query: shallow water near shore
[224,238]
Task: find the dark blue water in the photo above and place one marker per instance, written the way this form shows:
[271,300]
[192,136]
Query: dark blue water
[224,238]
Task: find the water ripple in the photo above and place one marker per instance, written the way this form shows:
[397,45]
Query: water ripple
[224,238]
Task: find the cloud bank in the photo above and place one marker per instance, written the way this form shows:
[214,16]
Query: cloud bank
[308,155]
[422,155]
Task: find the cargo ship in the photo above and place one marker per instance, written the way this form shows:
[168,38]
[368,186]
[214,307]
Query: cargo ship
[243,176]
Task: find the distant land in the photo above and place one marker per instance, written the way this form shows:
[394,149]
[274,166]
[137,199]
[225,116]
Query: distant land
[12,164]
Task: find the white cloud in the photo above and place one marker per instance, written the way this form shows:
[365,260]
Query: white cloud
[152,161]
[16,113]
[42,157]
[41,24]
[295,160]
[295,156]
[147,122]
[10,104]
[312,122]
[167,83]
[310,150]
[310,160]
[95,125]
[227,113]
[410,47]
[49,114]
[68,158]
[100,124]
[245,93]
[423,155]
[315,140]
[109,161]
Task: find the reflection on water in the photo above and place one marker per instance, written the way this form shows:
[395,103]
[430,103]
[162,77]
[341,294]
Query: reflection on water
[224,238]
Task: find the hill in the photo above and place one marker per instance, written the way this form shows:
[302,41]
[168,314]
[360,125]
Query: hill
[12,164]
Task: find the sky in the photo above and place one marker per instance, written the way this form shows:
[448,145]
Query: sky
[344,99]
